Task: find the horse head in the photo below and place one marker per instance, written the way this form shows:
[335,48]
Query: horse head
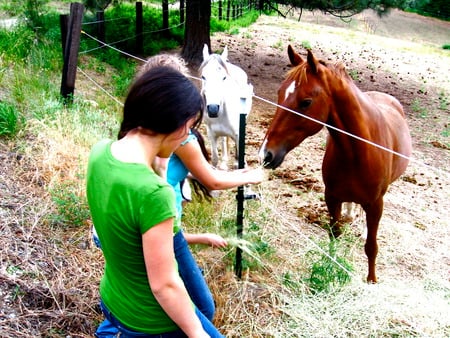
[214,74]
[302,100]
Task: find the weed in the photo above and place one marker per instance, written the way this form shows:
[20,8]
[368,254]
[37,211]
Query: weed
[306,44]
[330,269]
[278,45]
[72,208]
[417,107]
[354,74]
[9,119]
[443,101]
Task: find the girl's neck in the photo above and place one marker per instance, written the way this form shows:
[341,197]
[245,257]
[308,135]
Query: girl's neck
[137,147]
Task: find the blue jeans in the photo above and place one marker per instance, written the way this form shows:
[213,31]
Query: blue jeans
[192,277]
[112,328]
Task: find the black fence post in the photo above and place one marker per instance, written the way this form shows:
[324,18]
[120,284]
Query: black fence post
[71,49]
[240,193]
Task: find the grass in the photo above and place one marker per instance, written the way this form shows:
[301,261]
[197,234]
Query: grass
[289,288]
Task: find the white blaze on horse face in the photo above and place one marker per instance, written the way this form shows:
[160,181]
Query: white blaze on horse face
[289,90]
[262,151]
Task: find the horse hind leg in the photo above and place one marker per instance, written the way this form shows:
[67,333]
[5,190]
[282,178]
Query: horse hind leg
[373,216]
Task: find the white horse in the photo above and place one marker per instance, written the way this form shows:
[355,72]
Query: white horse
[227,94]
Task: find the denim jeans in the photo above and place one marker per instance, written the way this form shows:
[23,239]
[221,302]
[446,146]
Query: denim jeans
[192,277]
[112,328]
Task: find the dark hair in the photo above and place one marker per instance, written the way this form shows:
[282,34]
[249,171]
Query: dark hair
[161,100]
[199,189]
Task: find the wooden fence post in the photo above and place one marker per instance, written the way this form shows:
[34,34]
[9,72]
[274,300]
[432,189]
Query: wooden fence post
[100,18]
[71,51]
[63,26]
[181,11]
[139,29]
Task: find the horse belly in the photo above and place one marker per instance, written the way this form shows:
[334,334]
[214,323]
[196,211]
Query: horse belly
[354,182]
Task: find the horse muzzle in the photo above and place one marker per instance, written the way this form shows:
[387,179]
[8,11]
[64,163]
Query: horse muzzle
[213,110]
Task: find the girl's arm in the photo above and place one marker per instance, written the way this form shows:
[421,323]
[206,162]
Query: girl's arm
[214,179]
[216,241]
[165,283]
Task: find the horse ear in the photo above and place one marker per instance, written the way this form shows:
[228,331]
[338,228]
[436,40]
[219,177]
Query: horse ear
[294,57]
[312,61]
[205,52]
[225,54]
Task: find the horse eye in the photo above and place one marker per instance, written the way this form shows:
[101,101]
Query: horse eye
[305,103]
[224,78]
[203,78]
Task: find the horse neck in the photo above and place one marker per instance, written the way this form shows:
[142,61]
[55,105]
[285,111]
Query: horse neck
[349,113]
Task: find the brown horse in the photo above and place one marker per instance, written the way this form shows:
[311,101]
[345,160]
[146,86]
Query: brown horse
[353,170]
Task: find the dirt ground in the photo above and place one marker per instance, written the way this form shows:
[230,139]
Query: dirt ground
[398,55]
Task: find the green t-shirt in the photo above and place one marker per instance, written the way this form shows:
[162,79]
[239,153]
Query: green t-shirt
[125,200]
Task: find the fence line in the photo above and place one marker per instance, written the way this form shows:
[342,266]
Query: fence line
[103,44]
[411,159]
[283,218]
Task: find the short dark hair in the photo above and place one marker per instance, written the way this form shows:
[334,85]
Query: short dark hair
[161,100]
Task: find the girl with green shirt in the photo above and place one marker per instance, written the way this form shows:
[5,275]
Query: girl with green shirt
[133,211]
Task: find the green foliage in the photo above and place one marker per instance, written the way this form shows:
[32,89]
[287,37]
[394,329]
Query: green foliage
[122,34]
[435,8]
[330,269]
[233,26]
[443,101]
[96,5]
[72,207]
[418,108]
[9,119]
[446,46]
[354,74]
[306,44]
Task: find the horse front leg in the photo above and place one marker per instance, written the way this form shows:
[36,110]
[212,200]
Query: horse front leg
[224,153]
[373,216]
[214,151]
[334,208]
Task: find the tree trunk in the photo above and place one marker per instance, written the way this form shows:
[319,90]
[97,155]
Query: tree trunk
[196,31]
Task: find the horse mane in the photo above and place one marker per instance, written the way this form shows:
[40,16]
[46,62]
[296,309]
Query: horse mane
[298,73]
[216,57]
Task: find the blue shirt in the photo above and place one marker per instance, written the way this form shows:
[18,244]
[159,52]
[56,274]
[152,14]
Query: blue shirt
[176,173]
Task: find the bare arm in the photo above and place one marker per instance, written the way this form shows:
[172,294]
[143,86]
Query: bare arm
[165,283]
[215,179]
[216,241]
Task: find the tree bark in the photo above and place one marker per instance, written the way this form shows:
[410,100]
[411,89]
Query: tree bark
[196,31]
